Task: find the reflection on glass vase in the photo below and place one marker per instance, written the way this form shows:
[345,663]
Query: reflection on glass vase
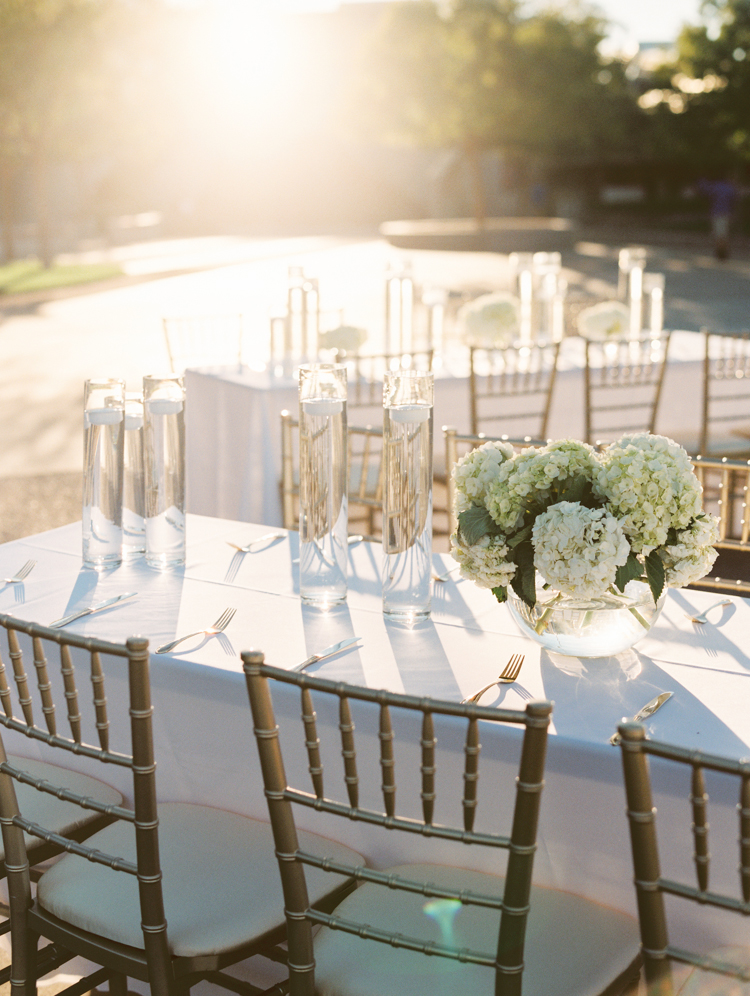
[407,501]
[164,469]
[599,626]
[323,501]
[103,456]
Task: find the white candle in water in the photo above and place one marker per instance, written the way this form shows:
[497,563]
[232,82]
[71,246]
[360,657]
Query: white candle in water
[103,416]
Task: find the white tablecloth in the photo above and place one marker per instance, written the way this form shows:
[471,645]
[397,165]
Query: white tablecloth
[205,747]
[234,431]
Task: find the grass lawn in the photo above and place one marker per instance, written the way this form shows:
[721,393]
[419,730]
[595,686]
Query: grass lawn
[30,275]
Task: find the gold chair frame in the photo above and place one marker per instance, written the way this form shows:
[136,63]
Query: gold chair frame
[650,885]
[507,960]
[730,367]
[366,373]
[512,375]
[618,365]
[725,486]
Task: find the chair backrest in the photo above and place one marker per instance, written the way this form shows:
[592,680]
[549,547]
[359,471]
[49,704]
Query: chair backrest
[366,372]
[650,885]
[457,445]
[383,720]
[726,485]
[510,387]
[34,714]
[725,423]
[365,490]
[203,341]
[623,383]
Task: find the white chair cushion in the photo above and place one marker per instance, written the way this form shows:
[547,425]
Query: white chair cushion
[221,881]
[574,947]
[56,814]
[700,983]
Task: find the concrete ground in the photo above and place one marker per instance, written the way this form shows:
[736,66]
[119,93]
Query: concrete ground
[51,342]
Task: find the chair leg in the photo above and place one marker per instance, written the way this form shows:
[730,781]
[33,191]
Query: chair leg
[118,985]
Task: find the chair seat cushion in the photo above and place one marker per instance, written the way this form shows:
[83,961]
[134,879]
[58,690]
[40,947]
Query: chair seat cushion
[56,814]
[573,945]
[700,983]
[221,881]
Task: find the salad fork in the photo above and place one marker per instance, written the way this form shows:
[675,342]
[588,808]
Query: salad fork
[218,627]
[19,576]
[508,675]
[701,617]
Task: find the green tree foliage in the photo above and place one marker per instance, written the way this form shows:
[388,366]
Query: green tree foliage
[478,74]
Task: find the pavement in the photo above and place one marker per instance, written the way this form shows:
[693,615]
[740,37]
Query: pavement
[50,342]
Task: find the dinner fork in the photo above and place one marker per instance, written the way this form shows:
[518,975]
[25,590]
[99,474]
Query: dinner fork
[27,568]
[701,617]
[446,576]
[249,547]
[218,627]
[509,674]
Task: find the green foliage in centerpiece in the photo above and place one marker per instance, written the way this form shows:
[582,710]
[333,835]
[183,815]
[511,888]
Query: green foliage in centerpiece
[587,522]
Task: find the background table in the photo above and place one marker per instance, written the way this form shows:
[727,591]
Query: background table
[204,742]
[234,431]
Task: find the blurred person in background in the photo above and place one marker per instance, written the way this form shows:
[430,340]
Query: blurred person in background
[723,195]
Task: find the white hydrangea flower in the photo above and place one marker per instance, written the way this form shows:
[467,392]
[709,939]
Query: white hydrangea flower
[533,473]
[649,484]
[606,320]
[491,319]
[485,562]
[577,550]
[693,555]
[475,471]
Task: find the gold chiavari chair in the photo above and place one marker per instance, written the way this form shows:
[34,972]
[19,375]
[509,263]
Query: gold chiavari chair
[203,341]
[433,928]
[725,492]
[202,870]
[623,380]
[366,372]
[512,386]
[365,491]
[712,971]
[457,445]
[725,423]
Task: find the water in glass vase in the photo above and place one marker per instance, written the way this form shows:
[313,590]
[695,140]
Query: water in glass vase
[407,511]
[323,520]
[164,452]
[103,441]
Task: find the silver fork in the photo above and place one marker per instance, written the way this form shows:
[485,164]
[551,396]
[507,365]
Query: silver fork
[27,568]
[509,674]
[446,576]
[218,627]
[249,547]
[701,617]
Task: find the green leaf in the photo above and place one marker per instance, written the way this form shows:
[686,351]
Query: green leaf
[474,523]
[522,536]
[501,594]
[655,574]
[524,580]
[630,571]
[573,488]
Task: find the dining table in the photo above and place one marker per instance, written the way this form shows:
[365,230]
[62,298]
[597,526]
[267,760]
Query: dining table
[233,428]
[204,742]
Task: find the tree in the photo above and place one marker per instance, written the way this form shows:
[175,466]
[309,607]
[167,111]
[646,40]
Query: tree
[481,76]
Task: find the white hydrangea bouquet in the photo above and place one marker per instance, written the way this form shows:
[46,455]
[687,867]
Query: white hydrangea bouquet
[491,320]
[606,320]
[582,523]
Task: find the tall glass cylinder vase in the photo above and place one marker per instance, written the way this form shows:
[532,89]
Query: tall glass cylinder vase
[133,490]
[407,502]
[103,452]
[323,474]
[164,469]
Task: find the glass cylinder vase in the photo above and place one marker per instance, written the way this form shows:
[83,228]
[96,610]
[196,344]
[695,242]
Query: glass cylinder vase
[164,469]
[133,490]
[103,454]
[407,501]
[323,474]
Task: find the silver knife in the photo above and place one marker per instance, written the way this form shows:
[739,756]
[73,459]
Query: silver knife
[91,609]
[648,710]
[328,652]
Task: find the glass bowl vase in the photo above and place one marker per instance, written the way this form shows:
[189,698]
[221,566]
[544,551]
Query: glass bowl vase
[599,626]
